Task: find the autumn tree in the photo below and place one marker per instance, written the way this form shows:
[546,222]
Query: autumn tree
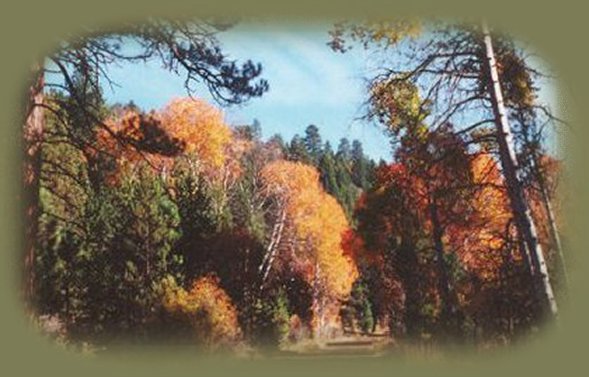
[185,126]
[249,204]
[459,70]
[432,173]
[201,127]
[343,174]
[386,243]
[183,46]
[207,309]
[313,223]
[442,184]
[540,173]
[489,250]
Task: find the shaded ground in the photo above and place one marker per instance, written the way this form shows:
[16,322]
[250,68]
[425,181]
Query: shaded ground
[373,345]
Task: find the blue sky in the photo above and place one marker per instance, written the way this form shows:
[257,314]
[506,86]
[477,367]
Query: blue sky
[309,84]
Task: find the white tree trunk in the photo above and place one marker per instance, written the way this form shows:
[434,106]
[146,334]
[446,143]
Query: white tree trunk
[272,249]
[551,218]
[521,211]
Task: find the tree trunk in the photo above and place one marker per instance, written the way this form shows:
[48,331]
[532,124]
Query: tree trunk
[521,212]
[449,301]
[317,305]
[404,262]
[273,246]
[32,140]
[551,219]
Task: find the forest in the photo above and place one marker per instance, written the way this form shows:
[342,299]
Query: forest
[174,226]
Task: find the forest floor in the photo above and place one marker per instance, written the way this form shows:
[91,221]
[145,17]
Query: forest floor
[373,345]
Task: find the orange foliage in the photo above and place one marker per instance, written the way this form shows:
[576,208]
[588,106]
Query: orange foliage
[200,126]
[208,309]
[318,220]
[353,244]
[185,126]
[550,168]
[133,137]
[480,245]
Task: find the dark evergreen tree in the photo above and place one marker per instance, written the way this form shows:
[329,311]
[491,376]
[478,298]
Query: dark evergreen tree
[327,169]
[313,143]
[344,150]
[198,219]
[297,150]
[344,174]
[360,173]
[103,264]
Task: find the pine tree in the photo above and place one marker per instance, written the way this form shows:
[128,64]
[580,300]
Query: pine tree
[297,150]
[359,166]
[328,171]
[132,229]
[344,150]
[313,144]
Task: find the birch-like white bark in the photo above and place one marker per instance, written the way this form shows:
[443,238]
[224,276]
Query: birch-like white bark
[521,211]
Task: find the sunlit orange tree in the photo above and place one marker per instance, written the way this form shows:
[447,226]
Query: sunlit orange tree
[308,237]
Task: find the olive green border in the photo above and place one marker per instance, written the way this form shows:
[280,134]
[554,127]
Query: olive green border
[27,29]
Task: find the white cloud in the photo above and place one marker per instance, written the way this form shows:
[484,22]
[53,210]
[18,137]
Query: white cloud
[299,66]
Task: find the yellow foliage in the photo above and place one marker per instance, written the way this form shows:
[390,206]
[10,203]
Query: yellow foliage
[185,126]
[201,126]
[482,244]
[207,307]
[392,32]
[318,220]
[397,104]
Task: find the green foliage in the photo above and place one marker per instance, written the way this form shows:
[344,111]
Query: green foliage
[381,33]
[362,167]
[313,143]
[195,204]
[366,320]
[357,312]
[102,253]
[176,248]
[281,316]
[360,302]
[343,174]
[132,229]
[396,104]
[271,320]
[63,195]
[328,166]
[297,150]
[247,204]
[59,268]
